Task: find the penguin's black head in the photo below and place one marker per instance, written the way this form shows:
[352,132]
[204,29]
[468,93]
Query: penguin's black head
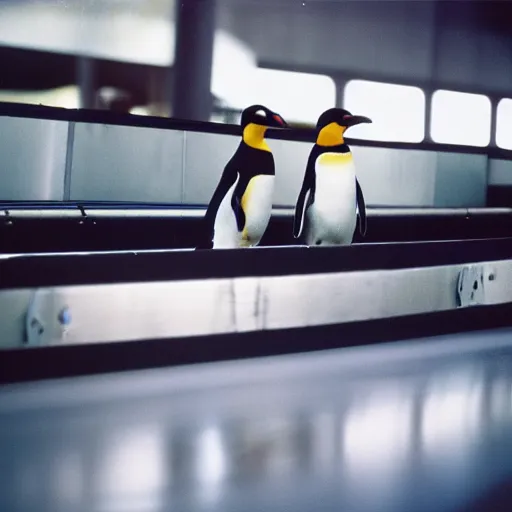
[262,116]
[341,117]
[331,125]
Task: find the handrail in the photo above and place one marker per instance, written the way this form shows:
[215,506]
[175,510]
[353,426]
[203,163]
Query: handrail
[39,211]
[293,134]
[65,269]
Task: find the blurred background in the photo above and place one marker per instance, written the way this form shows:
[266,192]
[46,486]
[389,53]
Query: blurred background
[436,79]
[298,56]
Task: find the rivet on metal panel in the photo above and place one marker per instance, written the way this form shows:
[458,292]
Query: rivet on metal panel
[48,319]
[471,286]
[65,316]
[34,327]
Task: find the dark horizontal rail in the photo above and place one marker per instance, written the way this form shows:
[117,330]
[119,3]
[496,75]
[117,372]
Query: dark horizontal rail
[96,226]
[38,270]
[293,134]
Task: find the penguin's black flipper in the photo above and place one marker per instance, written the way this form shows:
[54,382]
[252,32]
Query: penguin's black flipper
[228,178]
[236,203]
[306,196]
[304,201]
[361,207]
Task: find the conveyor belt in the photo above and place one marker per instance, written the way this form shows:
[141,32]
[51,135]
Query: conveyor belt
[179,307]
[405,427]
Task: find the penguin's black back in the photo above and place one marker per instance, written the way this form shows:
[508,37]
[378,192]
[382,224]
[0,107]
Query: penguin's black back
[251,161]
[248,162]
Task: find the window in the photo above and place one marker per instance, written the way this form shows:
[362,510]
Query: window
[461,118]
[504,124]
[397,111]
[298,97]
[232,68]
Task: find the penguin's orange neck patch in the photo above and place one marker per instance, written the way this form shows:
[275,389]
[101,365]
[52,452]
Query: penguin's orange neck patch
[254,136]
[331,135]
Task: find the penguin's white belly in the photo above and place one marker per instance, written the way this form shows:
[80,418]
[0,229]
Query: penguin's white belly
[257,206]
[226,234]
[332,217]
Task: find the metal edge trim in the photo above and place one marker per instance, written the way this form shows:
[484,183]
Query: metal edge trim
[199,211]
[177,309]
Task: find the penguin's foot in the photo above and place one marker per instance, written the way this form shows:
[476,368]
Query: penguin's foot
[245,240]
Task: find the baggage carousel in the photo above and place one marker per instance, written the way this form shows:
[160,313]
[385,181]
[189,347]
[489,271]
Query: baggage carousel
[367,378]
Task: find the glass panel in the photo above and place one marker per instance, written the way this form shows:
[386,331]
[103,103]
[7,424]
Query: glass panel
[299,97]
[504,124]
[397,111]
[461,118]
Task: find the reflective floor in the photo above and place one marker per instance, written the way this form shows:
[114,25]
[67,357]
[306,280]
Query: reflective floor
[408,427]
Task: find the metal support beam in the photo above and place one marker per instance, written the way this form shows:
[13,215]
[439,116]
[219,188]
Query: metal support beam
[76,314]
[85,78]
[195,30]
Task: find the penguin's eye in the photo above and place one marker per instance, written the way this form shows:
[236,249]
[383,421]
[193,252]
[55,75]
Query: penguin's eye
[261,113]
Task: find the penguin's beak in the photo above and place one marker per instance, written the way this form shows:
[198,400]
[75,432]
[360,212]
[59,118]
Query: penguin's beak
[350,120]
[278,122]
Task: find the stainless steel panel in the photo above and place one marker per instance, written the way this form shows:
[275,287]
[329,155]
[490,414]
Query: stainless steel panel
[392,177]
[354,296]
[206,155]
[461,180]
[388,177]
[12,318]
[124,312]
[33,159]
[500,172]
[123,163]
[406,427]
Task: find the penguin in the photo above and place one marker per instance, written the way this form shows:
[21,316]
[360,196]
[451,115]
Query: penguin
[325,212]
[239,210]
